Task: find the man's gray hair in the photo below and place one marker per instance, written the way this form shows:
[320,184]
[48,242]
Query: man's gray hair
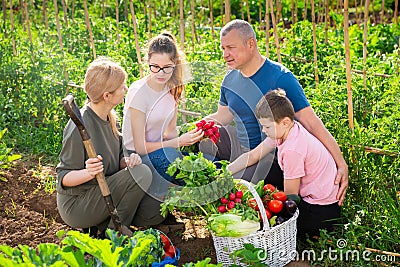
[243,27]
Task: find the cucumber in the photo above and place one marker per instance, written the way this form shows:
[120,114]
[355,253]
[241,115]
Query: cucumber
[295,198]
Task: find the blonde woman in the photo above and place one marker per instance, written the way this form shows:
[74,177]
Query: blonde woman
[79,199]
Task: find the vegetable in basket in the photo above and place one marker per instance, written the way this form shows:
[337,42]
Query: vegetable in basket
[232,225]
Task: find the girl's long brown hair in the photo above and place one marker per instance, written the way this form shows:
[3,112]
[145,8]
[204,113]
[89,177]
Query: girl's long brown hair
[104,75]
[165,43]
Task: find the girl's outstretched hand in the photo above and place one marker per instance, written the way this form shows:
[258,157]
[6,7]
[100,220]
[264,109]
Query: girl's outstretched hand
[190,137]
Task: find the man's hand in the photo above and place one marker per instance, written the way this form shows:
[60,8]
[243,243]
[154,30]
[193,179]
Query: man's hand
[342,178]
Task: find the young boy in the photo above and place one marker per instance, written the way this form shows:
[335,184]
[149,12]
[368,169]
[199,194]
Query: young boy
[308,168]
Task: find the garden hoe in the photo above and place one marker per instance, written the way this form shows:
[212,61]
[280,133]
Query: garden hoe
[75,114]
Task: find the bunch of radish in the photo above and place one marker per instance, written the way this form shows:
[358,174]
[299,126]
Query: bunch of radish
[229,202]
[210,130]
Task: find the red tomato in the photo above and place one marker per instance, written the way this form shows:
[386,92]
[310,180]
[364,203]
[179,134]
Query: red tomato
[253,204]
[280,196]
[266,199]
[275,206]
[269,188]
[269,214]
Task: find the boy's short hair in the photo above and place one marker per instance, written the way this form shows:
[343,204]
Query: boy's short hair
[275,105]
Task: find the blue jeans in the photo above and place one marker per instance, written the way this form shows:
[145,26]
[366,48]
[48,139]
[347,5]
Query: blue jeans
[159,160]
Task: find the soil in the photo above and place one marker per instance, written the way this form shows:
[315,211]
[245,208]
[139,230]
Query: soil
[29,215]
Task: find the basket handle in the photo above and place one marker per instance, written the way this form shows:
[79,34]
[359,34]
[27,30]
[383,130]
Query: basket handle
[259,203]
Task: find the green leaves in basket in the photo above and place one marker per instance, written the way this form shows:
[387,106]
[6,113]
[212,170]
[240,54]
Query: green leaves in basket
[249,255]
[204,185]
[195,170]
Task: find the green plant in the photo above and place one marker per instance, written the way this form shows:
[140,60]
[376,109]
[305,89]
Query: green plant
[249,255]
[5,154]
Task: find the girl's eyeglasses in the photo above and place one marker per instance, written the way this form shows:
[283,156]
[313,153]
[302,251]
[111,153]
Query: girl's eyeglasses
[157,69]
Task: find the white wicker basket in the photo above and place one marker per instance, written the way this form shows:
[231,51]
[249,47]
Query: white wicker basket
[278,241]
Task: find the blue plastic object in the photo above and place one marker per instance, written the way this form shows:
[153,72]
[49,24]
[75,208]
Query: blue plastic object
[168,260]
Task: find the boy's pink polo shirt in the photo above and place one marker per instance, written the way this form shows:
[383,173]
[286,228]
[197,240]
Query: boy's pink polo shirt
[303,156]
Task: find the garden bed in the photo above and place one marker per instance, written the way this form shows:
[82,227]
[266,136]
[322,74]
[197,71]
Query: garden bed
[29,215]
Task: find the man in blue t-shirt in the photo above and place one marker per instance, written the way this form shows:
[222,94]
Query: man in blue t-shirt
[251,76]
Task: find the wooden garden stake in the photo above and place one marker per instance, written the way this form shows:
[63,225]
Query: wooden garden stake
[149,8]
[267,26]
[222,10]
[320,14]
[227,11]
[103,9]
[314,43]
[58,25]
[193,27]
[248,11]
[241,9]
[278,10]
[396,8]
[29,28]
[210,4]
[65,10]
[73,11]
[126,16]
[293,12]
[117,19]
[181,25]
[278,52]
[173,8]
[348,66]
[12,30]
[89,28]
[366,15]
[382,13]
[4,16]
[355,8]
[44,12]
[326,20]
[305,10]
[139,58]
[155,9]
